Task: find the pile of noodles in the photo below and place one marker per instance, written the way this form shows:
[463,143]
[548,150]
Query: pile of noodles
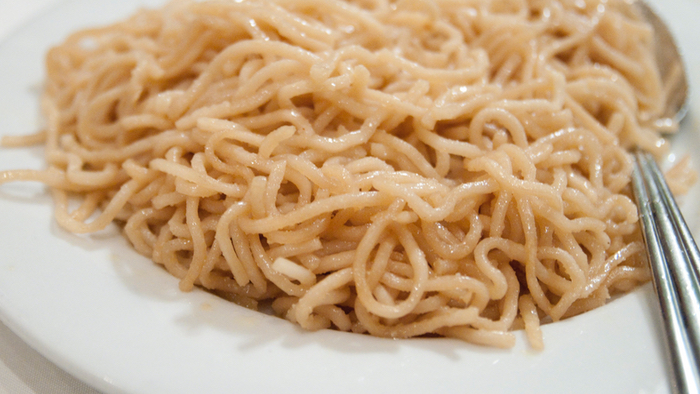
[399,168]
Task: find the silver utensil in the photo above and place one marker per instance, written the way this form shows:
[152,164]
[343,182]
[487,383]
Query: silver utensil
[673,254]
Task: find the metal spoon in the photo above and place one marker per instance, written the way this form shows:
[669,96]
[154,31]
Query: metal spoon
[673,254]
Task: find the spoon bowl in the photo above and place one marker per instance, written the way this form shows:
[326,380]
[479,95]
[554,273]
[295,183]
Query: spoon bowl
[671,67]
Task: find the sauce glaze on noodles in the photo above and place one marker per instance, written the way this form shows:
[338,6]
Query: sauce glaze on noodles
[397,168]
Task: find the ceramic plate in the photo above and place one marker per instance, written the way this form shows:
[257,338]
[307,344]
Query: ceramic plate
[117,321]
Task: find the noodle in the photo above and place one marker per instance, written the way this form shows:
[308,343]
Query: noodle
[397,168]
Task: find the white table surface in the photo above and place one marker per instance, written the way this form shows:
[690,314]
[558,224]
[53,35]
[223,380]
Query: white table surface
[22,369]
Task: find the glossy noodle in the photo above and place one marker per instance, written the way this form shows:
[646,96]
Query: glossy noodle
[404,168]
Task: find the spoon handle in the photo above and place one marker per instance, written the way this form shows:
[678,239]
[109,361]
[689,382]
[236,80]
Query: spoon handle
[675,261]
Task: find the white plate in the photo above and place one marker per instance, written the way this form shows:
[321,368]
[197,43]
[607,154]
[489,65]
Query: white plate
[113,319]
